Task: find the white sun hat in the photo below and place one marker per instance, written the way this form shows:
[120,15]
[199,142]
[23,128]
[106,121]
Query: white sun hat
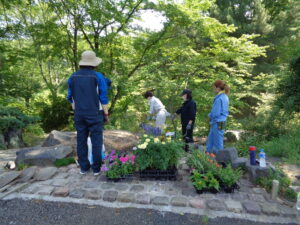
[88,58]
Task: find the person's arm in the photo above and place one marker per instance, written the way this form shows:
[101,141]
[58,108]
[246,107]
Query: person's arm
[70,95]
[151,104]
[102,86]
[178,111]
[192,112]
[216,111]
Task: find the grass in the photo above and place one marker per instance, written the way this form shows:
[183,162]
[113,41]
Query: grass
[64,162]
[286,146]
[22,166]
[284,182]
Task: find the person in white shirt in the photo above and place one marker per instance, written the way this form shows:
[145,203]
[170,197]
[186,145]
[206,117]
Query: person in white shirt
[157,109]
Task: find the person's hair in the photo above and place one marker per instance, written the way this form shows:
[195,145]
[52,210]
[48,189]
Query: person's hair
[87,67]
[223,86]
[189,96]
[148,94]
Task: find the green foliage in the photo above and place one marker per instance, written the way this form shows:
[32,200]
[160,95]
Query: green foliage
[284,182]
[289,87]
[64,161]
[22,166]
[118,167]
[55,115]
[203,181]
[229,176]
[13,118]
[290,195]
[161,154]
[33,135]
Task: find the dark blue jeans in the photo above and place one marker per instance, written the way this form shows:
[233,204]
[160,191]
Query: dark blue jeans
[92,125]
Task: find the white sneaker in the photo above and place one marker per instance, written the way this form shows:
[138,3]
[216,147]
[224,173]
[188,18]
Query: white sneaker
[96,174]
[83,172]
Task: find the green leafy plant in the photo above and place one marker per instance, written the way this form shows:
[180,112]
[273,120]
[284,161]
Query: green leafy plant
[228,176]
[284,183]
[158,153]
[64,162]
[22,166]
[203,181]
[117,167]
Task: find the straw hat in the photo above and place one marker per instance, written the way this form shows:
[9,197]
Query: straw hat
[88,58]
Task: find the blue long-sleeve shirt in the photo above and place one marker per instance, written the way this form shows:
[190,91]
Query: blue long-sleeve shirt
[86,88]
[220,109]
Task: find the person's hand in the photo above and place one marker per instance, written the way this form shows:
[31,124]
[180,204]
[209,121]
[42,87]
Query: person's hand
[173,116]
[189,126]
[106,118]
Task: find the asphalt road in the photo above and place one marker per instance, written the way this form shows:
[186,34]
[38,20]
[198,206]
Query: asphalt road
[36,212]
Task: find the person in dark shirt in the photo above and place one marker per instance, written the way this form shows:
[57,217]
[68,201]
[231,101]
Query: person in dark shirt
[188,115]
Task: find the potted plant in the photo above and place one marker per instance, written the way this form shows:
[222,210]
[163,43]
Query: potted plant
[205,182]
[119,167]
[228,178]
[157,157]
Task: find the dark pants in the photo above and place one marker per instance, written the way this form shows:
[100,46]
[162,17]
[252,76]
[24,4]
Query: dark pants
[187,135]
[92,125]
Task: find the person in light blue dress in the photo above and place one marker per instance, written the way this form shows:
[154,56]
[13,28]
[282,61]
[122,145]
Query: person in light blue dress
[218,117]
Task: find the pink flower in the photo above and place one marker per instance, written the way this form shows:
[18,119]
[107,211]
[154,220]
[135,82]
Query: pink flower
[132,159]
[123,159]
[104,168]
[113,157]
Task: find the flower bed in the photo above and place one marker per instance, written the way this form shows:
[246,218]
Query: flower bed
[209,176]
[117,167]
[157,157]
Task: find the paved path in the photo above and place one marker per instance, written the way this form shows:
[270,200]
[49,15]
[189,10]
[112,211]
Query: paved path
[67,185]
[18,212]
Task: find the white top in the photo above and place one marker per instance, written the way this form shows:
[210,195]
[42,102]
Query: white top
[155,105]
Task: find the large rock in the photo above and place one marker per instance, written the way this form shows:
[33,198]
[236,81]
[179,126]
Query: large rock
[257,171]
[45,173]
[27,174]
[119,140]
[57,138]
[7,177]
[43,156]
[113,139]
[227,155]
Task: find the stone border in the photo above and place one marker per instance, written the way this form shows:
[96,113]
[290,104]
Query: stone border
[198,211]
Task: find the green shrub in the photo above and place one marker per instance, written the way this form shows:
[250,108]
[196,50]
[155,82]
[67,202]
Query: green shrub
[13,118]
[158,153]
[55,116]
[22,166]
[64,162]
[284,182]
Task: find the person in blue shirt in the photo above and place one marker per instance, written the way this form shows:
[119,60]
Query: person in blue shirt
[218,117]
[87,92]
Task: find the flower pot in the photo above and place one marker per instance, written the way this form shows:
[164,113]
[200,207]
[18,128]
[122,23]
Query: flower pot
[170,174]
[231,189]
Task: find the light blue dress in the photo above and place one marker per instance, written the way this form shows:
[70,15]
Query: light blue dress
[219,113]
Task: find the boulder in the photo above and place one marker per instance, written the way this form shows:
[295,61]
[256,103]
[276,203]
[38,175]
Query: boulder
[119,140]
[7,177]
[27,174]
[58,137]
[113,140]
[227,155]
[45,173]
[257,171]
[239,163]
[43,156]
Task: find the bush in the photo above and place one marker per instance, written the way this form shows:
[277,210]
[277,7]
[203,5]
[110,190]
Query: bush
[13,118]
[55,116]
[284,183]
[158,153]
